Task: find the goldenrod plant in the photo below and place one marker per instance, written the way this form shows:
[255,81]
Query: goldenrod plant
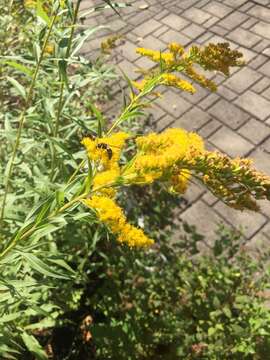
[60,193]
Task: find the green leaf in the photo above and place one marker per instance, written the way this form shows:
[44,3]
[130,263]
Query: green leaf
[18,67]
[33,346]
[41,267]
[41,13]
[20,89]
[100,118]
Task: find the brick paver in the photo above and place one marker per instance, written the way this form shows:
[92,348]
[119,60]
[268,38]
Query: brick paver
[236,119]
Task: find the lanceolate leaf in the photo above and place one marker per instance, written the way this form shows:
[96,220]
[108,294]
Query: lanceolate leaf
[33,346]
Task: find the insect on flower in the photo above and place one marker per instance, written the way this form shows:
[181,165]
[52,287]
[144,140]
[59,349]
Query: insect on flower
[107,148]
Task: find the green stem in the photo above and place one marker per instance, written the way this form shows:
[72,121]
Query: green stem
[23,114]
[62,87]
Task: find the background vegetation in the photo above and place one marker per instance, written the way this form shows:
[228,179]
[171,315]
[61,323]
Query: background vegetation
[69,292]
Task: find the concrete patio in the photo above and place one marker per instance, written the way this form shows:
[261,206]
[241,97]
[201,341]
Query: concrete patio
[236,119]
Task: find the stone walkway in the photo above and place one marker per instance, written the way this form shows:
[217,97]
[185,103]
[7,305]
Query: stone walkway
[236,119]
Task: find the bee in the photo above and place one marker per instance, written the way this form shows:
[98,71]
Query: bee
[107,148]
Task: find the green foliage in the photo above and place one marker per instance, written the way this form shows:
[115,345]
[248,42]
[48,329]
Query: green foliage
[171,304]
[64,266]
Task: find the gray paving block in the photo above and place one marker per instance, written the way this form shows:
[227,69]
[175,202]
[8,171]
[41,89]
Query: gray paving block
[255,131]
[217,9]
[232,20]
[255,104]
[261,160]
[196,15]
[174,36]
[175,22]
[262,29]
[204,218]
[210,128]
[242,80]
[193,31]
[244,37]
[228,113]
[173,103]
[193,119]
[249,221]
[147,27]
[260,12]
[230,142]
[265,69]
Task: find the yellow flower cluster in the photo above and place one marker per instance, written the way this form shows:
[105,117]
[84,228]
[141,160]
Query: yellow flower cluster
[235,181]
[200,79]
[161,156]
[112,215]
[218,57]
[173,80]
[106,150]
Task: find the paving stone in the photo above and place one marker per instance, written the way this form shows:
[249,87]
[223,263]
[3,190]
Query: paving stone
[217,9]
[152,43]
[260,12]
[129,69]
[228,113]
[175,22]
[258,61]
[147,28]
[173,103]
[267,52]
[193,119]
[245,7]
[261,46]
[156,112]
[261,85]
[194,192]
[266,93]
[250,222]
[261,160]
[244,37]
[204,218]
[249,23]
[160,31]
[233,20]
[226,93]
[265,69]
[210,128]
[164,122]
[198,96]
[255,104]
[230,142]
[266,144]
[262,29]
[210,22]
[196,15]
[248,55]
[234,3]
[242,80]
[174,36]
[255,131]
[208,101]
[128,50]
[219,30]
[193,31]
[144,63]
[209,198]
[204,38]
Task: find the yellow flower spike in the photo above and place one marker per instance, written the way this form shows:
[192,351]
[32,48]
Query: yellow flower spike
[113,217]
[176,48]
[102,182]
[173,80]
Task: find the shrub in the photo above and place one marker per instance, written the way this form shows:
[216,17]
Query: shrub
[58,201]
